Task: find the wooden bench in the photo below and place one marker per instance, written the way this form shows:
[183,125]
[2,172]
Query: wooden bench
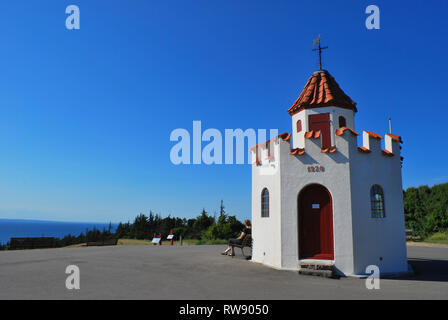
[247,242]
[31,243]
[107,242]
[410,236]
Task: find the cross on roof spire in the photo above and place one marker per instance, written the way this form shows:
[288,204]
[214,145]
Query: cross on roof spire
[319,48]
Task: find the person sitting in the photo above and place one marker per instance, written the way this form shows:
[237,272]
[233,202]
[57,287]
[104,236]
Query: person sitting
[246,231]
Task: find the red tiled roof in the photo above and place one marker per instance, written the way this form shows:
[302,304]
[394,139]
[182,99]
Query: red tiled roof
[285,136]
[322,90]
[297,151]
[309,134]
[395,137]
[329,149]
[340,131]
[388,153]
[259,145]
[374,135]
[363,149]
[254,147]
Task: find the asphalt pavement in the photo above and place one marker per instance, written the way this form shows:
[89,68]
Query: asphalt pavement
[198,272]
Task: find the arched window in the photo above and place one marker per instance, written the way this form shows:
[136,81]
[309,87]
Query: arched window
[265,203]
[299,125]
[342,122]
[377,202]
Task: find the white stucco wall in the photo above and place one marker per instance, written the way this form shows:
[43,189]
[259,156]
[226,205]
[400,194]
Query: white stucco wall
[336,178]
[378,241]
[359,240]
[266,231]
[298,140]
[298,137]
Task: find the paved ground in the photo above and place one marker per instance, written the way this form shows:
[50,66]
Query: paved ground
[198,272]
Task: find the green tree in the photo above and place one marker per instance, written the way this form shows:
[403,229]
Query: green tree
[226,226]
[140,228]
[426,209]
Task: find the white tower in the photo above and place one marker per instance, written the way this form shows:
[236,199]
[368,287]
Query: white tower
[328,201]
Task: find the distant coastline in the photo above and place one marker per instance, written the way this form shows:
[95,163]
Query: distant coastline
[46,228]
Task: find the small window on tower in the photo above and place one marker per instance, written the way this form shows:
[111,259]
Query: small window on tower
[342,122]
[299,125]
[265,203]
[377,202]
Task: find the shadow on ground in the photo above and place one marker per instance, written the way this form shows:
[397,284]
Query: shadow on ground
[428,270]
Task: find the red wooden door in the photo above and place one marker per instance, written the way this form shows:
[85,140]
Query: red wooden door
[321,122]
[315,223]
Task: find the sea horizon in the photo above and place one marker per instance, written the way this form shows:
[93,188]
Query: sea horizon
[18,228]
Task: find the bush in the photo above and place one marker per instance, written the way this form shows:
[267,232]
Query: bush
[426,209]
[439,237]
[226,227]
[203,227]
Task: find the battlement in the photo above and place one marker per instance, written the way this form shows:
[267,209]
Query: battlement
[267,152]
[372,144]
[324,192]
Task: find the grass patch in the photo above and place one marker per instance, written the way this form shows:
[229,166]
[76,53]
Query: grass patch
[133,242]
[185,242]
[79,245]
[136,242]
[439,237]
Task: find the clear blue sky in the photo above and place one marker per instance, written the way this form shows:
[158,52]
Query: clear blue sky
[85,115]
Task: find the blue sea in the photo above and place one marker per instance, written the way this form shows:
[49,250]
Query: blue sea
[14,228]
